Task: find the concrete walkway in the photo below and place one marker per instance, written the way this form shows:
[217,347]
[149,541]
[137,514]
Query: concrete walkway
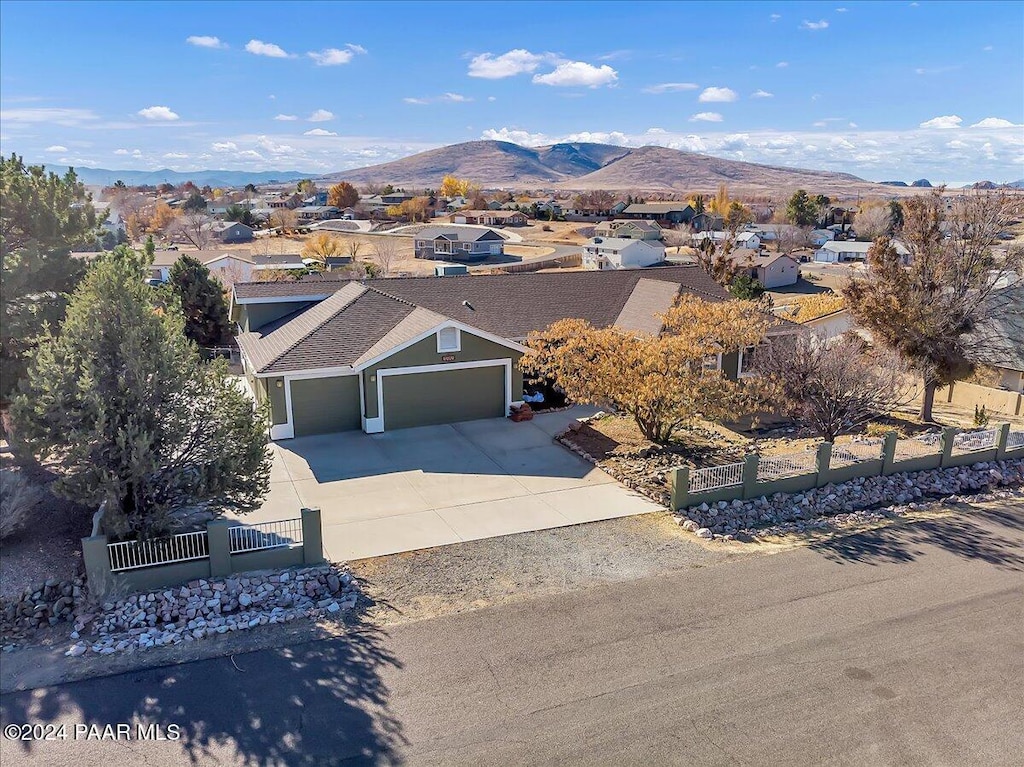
[416,488]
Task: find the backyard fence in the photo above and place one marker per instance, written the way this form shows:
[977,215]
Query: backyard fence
[223,548]
[797,472]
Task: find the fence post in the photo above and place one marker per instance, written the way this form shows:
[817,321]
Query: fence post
[1002,435]
[946,441]
[750,476]
[312,537]
[821,463]
[680,485]
[97,565]
[889,453]
[220,547]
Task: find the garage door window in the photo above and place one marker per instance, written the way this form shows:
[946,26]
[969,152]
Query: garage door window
[448,340]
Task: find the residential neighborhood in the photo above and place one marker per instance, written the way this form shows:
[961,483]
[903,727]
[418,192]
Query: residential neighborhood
[558,397]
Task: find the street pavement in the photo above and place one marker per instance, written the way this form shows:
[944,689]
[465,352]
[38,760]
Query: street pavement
[903,646]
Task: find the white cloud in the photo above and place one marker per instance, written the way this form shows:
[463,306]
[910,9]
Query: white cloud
[492,98]
[455,98]
[260,48]
[55,115]
[670,87]
[775,17]
[411,100]
[332,57]
[319,132]
[267,143]
[286,118]
[760,94]
[515,62]
[946,121]
[713,94]
[121,151]
[56,148]
[995,122]
[448,98]
[782,64]
[133,152]
[158,113]
[205,41]
[225,146]
[841,10]
[175,156]
[578,73]
[706,117]
[814,25]
[988,48]
[320,115]
[250,154]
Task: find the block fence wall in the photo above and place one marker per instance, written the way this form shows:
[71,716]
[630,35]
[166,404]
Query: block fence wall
[824,473]
[218,560]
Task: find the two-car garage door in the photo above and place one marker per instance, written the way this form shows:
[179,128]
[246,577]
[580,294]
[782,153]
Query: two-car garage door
[420,399]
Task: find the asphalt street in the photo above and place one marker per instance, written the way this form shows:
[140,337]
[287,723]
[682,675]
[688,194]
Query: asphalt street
[903,646]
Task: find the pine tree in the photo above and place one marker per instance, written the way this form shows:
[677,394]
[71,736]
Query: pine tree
[131,416]
[201,297]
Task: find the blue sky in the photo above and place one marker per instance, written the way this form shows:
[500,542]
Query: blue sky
[895,90]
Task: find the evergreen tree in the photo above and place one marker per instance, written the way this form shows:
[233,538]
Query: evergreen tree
[42,217]
[801,210]
[195,203]
[131,416]
[201,297]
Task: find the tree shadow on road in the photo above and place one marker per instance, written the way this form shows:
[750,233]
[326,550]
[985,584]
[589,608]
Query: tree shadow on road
[318,703]
[972,533]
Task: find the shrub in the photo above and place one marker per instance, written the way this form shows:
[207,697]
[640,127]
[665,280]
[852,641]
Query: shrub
[18,497]
[875,429]
[981,416]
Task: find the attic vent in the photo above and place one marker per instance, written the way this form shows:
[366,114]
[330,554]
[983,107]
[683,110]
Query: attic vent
[448,340]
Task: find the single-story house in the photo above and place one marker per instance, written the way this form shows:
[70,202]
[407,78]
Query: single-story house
[773,270]
[228,266]
[317,213]
[458,244]
[621,253]
[998,340]
[330,355]
[819,237]
[675,212]
[490,217]
[629,229]
[748,240]
[707,222]
[838,251]
[231,231]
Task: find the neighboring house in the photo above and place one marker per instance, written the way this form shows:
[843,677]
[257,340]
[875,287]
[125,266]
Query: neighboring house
[674,212]
[231,231]
[229,266]
[840,251]
[773,270]
[382,354]
[275,261]
[998,340]
[489,218]
[629,229]
[819,237]
[290,201]
[549,207]
[317,213]
[603,253]
[458,244]
[748,240]
[318,199]
[707,222]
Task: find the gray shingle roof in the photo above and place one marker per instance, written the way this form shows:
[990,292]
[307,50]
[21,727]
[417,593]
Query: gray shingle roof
[649,300]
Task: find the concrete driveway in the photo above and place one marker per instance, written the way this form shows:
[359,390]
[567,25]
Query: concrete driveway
[434,485]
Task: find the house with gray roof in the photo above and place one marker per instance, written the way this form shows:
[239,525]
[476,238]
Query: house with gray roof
[462,244]
[380,354]
[998,340]
[676,212]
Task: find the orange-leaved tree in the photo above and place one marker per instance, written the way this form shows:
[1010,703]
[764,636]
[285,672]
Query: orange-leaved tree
[342,195]
[663,381]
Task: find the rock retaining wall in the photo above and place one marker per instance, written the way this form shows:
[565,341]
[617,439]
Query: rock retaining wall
[44,605]
[205,608]
[847,502]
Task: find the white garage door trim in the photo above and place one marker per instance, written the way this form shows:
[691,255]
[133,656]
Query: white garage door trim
[376,425]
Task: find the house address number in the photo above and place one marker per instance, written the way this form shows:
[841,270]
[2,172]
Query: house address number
[447,358]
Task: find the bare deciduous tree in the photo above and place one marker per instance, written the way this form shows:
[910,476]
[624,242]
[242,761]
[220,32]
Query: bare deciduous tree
[385,254]
[193,228]
[832,387]
[873,223]
[352,246]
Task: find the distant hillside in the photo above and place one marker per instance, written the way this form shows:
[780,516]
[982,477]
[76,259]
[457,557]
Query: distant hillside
[500,164]
[233,178]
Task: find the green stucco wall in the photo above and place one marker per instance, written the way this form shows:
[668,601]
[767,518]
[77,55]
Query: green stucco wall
[420,399]
[325,405]
[425,353]
[278,411]
[254,316]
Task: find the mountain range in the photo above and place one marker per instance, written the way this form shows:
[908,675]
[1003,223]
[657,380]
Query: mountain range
[500,164]
[225,178]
